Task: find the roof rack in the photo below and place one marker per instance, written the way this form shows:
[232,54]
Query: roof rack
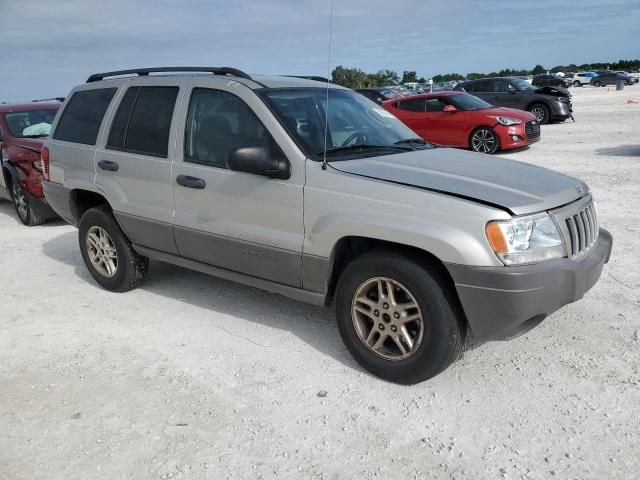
[52,99]
[311,77]
[146,71]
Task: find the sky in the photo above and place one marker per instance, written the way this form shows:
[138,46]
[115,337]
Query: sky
[49,46]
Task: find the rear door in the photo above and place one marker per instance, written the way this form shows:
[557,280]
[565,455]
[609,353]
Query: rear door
[413,115]
[482,89]
[238,221]
[134,159]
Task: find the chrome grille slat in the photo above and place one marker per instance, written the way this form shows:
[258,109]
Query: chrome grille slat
[579,226]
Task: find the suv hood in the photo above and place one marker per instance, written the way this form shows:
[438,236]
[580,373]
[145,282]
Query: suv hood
[514,186]
[33,144]
[554,91]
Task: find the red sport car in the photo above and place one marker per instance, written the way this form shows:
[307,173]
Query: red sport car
[457,119]
[23,128]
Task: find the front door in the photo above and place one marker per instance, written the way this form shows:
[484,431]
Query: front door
[238,221]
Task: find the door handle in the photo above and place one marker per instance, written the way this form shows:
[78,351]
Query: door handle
[191,182]
[107,165]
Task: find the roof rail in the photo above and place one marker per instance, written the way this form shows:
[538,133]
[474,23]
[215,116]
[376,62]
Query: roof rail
[146,71]
[311,77]
[52,99]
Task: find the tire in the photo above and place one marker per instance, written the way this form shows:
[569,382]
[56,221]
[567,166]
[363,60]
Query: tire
[28,215]
[115,266]
[597,84]
[577,84]
[435,344]
[541,111]
[484,140]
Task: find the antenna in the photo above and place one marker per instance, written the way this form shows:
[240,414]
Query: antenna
[326,113]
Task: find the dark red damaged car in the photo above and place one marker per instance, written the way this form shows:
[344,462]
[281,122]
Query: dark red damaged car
[23,128]
[457,119]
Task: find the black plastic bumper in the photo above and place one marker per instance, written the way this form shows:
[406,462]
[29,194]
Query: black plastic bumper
[504,302]
[59,198]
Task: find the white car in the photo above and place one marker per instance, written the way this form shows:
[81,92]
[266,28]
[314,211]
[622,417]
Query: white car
[582,78]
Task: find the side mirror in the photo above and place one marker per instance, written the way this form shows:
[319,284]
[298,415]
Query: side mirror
[257,159]
[449,108]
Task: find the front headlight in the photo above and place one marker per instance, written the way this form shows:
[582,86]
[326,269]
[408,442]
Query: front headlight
[508,121]
[522,240]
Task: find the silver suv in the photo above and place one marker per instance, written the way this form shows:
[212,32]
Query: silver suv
[312,191]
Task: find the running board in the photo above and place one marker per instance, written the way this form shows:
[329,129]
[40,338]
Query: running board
[273,287]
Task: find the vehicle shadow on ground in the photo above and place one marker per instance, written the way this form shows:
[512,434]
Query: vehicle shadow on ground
[314,325]
[7,208]
[620,151]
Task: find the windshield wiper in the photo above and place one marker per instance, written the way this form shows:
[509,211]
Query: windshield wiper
[414,141]
[34,136]
[362,147]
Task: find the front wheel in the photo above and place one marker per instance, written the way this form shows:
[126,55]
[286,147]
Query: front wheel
[28,215]
[576,83]
[597,84]
[108,253]
[397,317]
[541,111]
[484,140]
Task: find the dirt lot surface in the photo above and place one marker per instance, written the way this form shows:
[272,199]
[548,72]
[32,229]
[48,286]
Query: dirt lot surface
[193,377]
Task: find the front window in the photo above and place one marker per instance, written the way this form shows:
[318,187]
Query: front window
[523,85]
[356,126]
[466,103]
[32,124]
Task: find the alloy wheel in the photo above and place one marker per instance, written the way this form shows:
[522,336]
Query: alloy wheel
[20,201]
[102,251]
[483,141]
[387,318]
[539,113]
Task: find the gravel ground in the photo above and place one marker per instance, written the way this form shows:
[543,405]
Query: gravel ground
[193,377]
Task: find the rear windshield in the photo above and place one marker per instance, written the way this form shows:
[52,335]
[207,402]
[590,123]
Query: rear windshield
[32,124]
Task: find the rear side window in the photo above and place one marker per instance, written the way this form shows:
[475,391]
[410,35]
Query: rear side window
[415,105]
[81,119]
[143,121]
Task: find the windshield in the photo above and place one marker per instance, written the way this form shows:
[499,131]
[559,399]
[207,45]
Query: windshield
[32,124]
[355,123]
[466,102]
[523,85]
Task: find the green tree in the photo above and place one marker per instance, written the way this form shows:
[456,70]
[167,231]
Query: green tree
[538,69]
[387,77]
[409,76]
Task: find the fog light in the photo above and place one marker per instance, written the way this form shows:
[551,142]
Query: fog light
[515,138]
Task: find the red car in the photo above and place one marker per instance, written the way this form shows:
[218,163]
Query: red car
[23,128]
[457,119]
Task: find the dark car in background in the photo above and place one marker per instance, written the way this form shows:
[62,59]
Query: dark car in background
[611,78]
[23,128]
[380,94]
[546,103]
[549,81]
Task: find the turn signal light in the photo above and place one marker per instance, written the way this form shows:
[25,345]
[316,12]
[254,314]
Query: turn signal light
[496,238]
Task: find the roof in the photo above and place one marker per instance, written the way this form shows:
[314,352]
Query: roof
[444,93]
[29,107]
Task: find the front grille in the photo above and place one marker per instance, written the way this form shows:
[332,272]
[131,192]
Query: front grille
[579,225]
[532,129]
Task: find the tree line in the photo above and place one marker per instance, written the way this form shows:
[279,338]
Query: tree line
[356,78]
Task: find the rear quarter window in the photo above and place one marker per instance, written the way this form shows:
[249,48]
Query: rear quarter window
[81,119]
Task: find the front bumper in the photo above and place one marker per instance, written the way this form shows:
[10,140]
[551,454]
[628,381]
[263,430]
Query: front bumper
[561,110]
[504,302]
[506,134]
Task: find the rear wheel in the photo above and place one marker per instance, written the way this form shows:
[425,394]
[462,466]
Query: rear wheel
[397,318]
[28,215]
[484,140]
[108,253]
[541,111]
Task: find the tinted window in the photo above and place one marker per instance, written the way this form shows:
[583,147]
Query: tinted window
[433,105]
[150,121]
[500,86]
[121,120]
[415,105]
[218,122]
[81,119]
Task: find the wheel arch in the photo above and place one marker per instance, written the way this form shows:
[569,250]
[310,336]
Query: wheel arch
[82,200]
